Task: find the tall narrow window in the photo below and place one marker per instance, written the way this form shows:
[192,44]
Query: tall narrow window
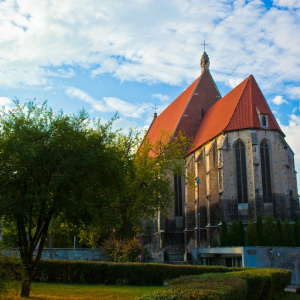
[264,121]
[241,172]
[178,195]
[265,172]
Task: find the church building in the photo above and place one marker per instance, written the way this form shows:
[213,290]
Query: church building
[242,165]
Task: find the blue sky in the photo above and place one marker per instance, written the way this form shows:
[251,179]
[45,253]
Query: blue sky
[127,56]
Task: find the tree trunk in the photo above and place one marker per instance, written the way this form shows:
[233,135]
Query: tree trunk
[26,284]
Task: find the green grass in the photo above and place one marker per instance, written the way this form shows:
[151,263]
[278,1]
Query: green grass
[55,291]
[287,296]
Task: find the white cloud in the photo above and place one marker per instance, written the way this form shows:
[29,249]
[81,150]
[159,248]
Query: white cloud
[161,97]
[233,82]
[278,100]
[287,3]
[150,41]
[110,104]
[6,103]
[294,92]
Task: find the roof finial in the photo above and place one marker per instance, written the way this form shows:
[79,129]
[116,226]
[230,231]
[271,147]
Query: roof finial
[204,63]
[155,113]
[204,45]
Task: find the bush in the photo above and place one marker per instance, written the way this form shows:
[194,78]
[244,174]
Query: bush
[264,283]
[207,286]
[122,250]
[124,273]
[10,271]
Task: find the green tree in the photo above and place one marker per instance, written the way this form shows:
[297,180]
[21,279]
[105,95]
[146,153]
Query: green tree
[288,235]
[54,166]
[297,233]
[234,234]
[260,231]
[242,240]
[146,179]
[224,235]
[270,231]
[251,234]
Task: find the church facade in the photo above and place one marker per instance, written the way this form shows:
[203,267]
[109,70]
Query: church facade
[239,158]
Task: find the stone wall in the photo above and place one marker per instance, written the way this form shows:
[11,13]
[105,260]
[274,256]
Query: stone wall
[70,254]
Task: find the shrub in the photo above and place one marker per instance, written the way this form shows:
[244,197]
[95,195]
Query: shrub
[207,286]
[10,271]
[255,283]
[109,272]
[118,250]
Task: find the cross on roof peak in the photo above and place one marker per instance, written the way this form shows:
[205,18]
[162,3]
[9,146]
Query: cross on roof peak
[204,44]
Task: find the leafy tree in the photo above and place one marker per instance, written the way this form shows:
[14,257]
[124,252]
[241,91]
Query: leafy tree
[260,231]
[146,179]
[297,233]
[122,250]
[288,235]
[224,235]
[242,236]
[54,166]
[251,234]
[234,235]
[270,231]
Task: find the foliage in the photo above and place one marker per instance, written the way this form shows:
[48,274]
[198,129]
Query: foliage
[288,235]
[53,166]
[207,286]
[10,270]
[234,235]
[214,242]
[297,233]
[264,283]
[146,182]
[242,235]
[122,273]
[224,234]
[10,236]
[279,232]
[122,250]
[251,234]
[270,231]
[251,284]
[259,231]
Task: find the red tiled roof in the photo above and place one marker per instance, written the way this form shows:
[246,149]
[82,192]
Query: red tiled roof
[184,113]
[169,118]
[237,110]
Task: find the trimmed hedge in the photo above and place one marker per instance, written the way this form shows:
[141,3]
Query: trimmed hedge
[254,284]
[120,273]
[207,286]
[263,283]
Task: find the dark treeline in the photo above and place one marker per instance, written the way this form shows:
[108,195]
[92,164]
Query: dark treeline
[263,232]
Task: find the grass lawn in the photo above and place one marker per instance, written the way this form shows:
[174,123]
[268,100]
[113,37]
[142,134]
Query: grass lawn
[57,291]
[83,291]
[288,296]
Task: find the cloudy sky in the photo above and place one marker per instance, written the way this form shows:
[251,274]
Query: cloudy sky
[128,56]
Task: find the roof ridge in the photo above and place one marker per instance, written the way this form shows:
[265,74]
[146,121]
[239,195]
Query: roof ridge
[248,79]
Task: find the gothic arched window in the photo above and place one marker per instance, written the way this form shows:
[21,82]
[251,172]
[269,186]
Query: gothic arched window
[241,172]
[265,172]
[178,195]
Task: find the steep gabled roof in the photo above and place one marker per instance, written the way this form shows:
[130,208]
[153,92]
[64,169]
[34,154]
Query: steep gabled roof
[235,111]
[185,112]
